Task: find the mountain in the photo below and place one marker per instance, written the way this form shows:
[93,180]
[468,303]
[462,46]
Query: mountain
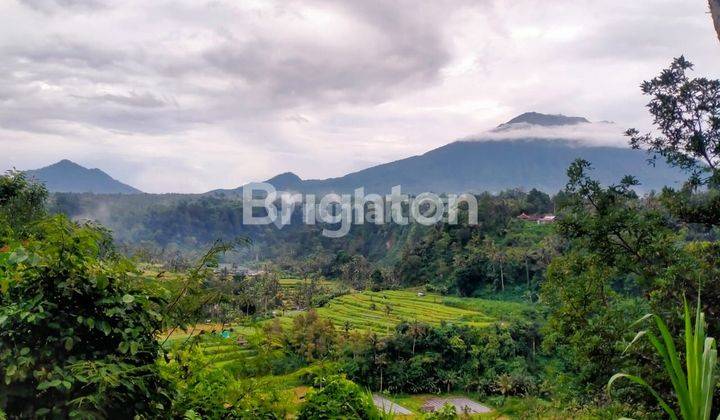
[544,120]
[68,176]
[491,164]
[287,181]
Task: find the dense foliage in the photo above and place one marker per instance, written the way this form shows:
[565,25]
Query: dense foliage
[204,391]
[336,397]
[629,255]
[419,358]
[77,334]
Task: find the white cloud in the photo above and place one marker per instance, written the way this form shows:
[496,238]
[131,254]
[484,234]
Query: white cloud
[603,133]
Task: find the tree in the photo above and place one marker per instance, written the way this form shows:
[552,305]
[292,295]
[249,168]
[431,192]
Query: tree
[538,202]
[356,272]
[77,332]
[687,113]
[312,337]
[618,248]
[497,256]
[21,202]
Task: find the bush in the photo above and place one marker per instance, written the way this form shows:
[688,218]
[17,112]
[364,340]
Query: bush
[312,337]
[337,397]
[206,391]
[76,336]
[446,412]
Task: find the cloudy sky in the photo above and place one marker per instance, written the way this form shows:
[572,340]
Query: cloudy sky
[186,96]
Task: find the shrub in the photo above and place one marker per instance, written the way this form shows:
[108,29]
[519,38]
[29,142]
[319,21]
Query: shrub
[312,337]
[206,391]
[76,336]
[337,397]
[693,385]
[446,412]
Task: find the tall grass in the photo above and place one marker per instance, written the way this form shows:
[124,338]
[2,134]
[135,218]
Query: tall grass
[693,385]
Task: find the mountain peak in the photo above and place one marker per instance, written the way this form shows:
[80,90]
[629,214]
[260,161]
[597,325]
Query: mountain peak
[65,163]
[68,176]
[546,120]
[285,180]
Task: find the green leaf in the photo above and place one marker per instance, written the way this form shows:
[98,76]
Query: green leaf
[123,347]
[637,337]
[642,382]
[644,317]
[69,343]
[10,371]
[133,347]
[24,351]
[128,299]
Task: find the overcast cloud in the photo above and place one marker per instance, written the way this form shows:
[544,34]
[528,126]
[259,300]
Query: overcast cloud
[187,96]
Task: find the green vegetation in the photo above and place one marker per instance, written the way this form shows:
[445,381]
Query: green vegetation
[694,386]
[419,358]
[77,332]
[336,397]
[381,311]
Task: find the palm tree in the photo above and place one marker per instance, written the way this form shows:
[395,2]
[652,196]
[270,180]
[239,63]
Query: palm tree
[695,384]
[496,255]
[416,330]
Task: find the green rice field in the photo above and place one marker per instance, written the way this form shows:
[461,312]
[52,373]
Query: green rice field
[381,311]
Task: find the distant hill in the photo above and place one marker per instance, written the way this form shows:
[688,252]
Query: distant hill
[68,176]
[493,165]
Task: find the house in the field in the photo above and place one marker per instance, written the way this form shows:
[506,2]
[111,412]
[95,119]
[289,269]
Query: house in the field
[540,219]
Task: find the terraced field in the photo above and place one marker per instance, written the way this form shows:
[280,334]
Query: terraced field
[382,311]
[293,283]
[223,352]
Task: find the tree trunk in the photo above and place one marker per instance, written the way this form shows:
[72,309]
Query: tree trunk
[527,273]
[502,278]
[715,13]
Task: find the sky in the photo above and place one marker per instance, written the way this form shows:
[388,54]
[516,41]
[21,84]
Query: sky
[189,96]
